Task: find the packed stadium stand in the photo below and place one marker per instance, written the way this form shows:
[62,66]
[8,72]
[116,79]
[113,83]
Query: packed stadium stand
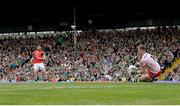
[89,52]
[99,56]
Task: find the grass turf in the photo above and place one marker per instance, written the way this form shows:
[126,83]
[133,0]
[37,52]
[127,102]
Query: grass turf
[89,93]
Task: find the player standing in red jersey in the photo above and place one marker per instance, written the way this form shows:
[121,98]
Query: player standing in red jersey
[37,59]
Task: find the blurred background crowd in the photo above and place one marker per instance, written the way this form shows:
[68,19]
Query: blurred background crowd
[99,55]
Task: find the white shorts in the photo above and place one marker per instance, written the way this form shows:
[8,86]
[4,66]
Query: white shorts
[39,66]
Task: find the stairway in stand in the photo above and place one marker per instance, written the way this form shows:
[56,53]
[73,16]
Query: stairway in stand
[169,69]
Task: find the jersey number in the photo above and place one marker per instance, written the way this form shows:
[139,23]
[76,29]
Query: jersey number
[153,58]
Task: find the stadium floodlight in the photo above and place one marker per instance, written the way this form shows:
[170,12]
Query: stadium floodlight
[29,27]
[90,21]
[73,26]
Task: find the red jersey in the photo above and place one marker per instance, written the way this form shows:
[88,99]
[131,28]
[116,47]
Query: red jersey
[38,54]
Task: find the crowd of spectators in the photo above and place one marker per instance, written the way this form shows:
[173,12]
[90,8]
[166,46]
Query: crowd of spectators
[98,56]
[174,75]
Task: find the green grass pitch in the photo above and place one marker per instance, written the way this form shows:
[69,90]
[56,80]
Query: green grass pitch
[89,93]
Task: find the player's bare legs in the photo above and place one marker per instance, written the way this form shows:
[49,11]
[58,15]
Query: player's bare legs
[44,72]
[145,78]
[35,73]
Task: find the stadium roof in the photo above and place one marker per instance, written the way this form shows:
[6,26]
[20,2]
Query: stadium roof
[17,15]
